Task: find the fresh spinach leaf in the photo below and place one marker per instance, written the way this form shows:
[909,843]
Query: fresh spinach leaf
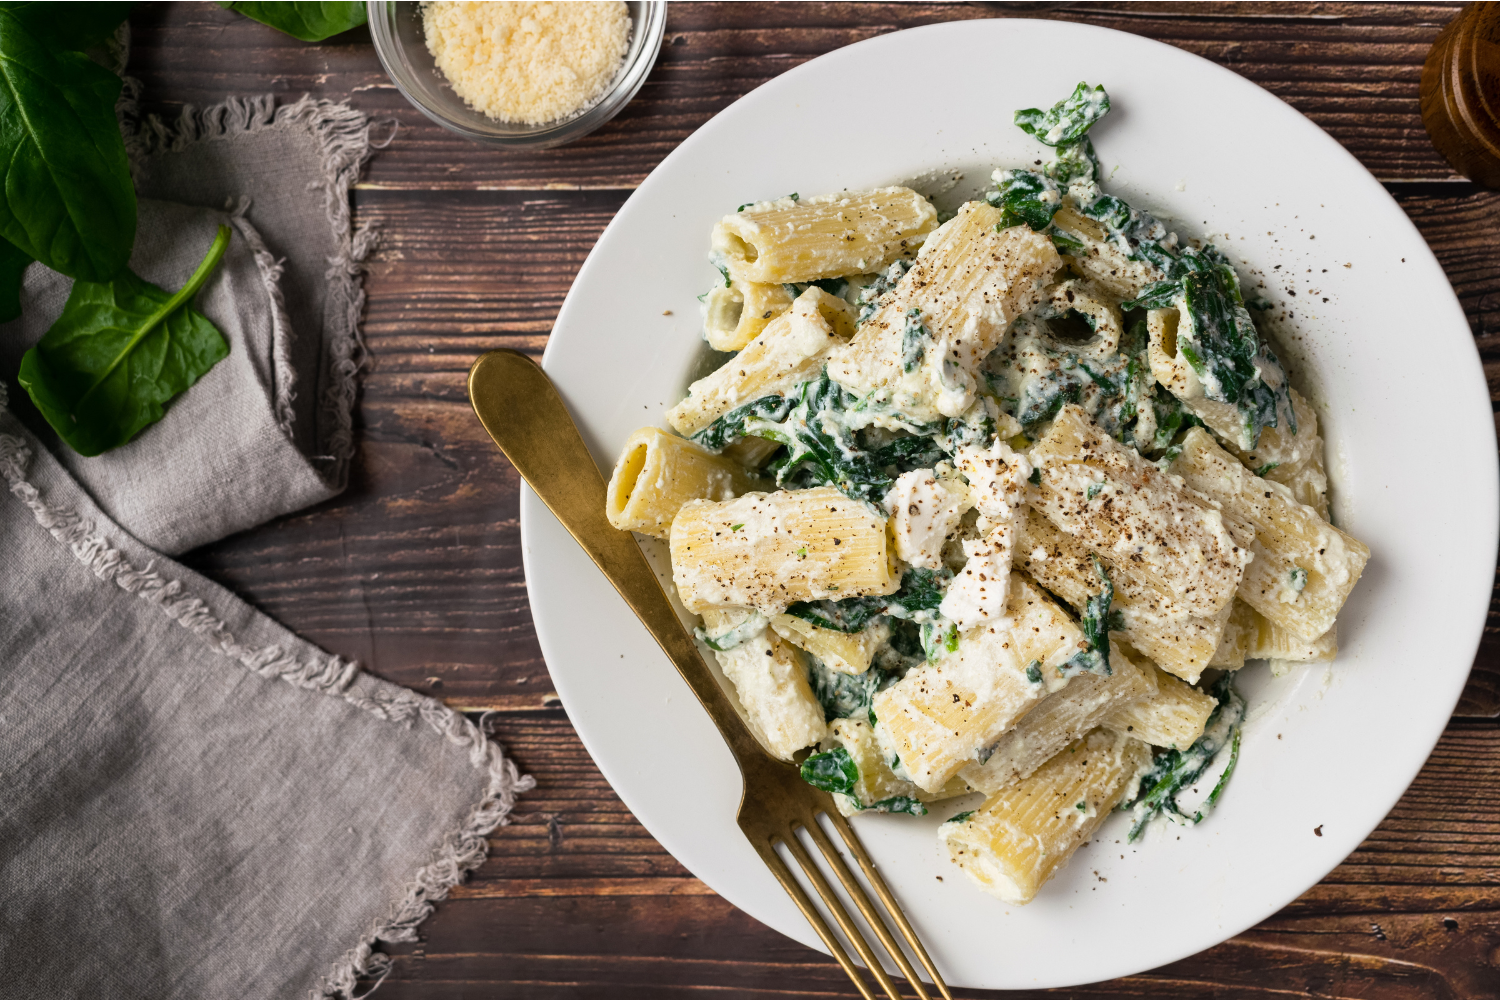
[1069,119]
[66,198]
[309,21]
[834,771]
[75,26]
[13,264]
[121,351]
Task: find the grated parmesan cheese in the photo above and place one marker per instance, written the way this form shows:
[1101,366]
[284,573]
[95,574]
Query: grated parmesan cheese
[528,62]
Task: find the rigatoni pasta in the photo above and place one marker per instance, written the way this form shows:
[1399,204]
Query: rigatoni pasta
[791,349]
[768,550]
[1018,839]
[996,505]
[1304,567]
[657,473]
[799,239]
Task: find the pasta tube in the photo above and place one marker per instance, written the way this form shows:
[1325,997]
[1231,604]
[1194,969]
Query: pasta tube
[918,352]
[657,473]
[734,316]
[768,550]
[1304,567]
[938,717]
[1087,702]
[1173,716]
[1181,644]
[846,652]
[1238,633]
[806,239]
[791,349]
[1101,259]
[1123,507]
[1023,834]
[878,786]
[770,681]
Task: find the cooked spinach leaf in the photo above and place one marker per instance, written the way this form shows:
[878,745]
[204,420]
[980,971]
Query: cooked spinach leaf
[897,804]
[812,422]
[960,817]
[1025,196]
[833,286]
[1069,119]
[76,27]
[914,340]
[733,637]
[834,771]
[309,21]
[939,637]
[1219,340]
[67,198]
[1171,419]
[921,591]
[120,351]
[1074,162]
[851,614]
[1174,771]
[843,696]
[883,283]
[1097,622]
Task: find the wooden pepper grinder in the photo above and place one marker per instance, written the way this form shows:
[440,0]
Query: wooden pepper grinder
[1461,93]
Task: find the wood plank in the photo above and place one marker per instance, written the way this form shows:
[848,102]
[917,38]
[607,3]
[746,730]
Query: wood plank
[1351,68]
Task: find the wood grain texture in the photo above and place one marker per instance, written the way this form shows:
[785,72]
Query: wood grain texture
[1353,68]
[416,570]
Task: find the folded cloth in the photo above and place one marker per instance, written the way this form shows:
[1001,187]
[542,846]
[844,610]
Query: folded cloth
[197,804]
[267,430]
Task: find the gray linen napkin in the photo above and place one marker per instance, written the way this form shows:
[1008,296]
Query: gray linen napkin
[195,803]
[267,431]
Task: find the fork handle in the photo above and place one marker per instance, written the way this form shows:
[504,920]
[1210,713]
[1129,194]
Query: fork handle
[526,417]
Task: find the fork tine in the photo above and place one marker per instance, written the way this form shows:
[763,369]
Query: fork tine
[887,899]
[846,923]
[861,900]
[773,861]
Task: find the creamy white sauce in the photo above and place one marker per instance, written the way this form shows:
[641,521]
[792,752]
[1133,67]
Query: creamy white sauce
[924,512]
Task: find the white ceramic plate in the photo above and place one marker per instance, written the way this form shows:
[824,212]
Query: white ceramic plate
[1376,337]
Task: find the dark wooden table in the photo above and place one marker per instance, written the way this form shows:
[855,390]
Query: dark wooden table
[416,569]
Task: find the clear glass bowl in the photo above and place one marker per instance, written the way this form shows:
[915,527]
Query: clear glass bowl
[402,47]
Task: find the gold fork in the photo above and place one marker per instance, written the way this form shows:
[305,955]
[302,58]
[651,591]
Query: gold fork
[523,413]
